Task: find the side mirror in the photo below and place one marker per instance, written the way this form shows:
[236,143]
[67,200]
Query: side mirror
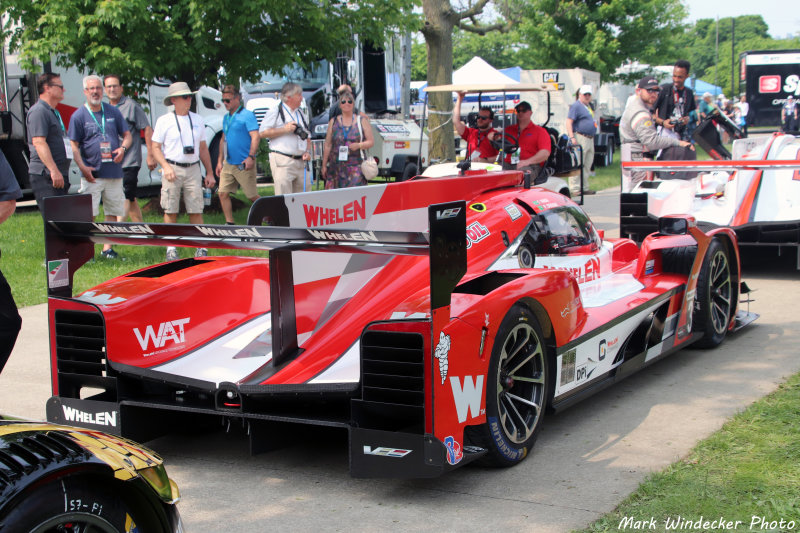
[675,226]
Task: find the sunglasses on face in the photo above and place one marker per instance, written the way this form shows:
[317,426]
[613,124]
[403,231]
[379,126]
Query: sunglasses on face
[185,97]
[59,86]
[226,100]
[480,117]
[652,90]
[346,101]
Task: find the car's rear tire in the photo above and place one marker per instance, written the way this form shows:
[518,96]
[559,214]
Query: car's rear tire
[80,503]
[517,390]
[716,296]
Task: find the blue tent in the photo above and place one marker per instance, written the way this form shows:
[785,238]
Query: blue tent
[700,87]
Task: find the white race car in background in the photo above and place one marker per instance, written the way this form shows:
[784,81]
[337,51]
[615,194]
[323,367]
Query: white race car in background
[757,193]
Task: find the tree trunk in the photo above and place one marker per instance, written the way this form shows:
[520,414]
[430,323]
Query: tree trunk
[440,20]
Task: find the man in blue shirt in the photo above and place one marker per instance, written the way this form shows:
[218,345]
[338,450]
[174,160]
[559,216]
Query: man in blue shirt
[100,138]
[237,156]
[581,128]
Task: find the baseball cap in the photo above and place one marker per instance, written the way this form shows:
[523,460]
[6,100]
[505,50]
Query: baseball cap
[648,82]
[522,107]
[586,89]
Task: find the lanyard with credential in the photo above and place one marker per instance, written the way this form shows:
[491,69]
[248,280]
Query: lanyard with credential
[227,120]
[91,114]
[58,116]
[191,127]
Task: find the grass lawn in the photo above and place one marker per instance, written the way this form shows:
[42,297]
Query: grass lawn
[22,245]
[748,471]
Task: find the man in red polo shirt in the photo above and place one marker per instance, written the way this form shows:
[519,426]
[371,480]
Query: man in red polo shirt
[534,141]
[478,146]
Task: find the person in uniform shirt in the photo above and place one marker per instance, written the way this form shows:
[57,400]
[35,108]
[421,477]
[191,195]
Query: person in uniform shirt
[179,146]
[637,131]
[479,147]
[534,142]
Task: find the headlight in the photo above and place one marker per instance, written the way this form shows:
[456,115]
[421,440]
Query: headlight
[156,477]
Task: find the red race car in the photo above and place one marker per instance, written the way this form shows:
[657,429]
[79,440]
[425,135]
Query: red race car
[435,319]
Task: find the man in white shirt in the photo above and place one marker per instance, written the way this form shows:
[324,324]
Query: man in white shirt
[179,146]
[287,131]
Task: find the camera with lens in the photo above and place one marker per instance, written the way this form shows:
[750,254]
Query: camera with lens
[302,133]
[188,150]
[679,126]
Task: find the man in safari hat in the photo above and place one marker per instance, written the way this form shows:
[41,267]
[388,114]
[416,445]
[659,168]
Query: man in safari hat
[179,146]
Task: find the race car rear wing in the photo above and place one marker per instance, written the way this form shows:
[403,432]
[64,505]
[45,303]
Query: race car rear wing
[70,236]
[708,166]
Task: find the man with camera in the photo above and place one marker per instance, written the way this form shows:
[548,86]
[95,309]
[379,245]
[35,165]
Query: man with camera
[675,102]
[179,146]
[237,158]
[287,130]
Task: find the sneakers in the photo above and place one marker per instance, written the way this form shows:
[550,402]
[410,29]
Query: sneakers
[201,252]
[588,192]
[172,253]
[109,254]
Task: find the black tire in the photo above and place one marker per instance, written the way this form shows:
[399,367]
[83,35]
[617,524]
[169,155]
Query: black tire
[716,296]
[516,391]
[609,154]
[409,171]
[81,503]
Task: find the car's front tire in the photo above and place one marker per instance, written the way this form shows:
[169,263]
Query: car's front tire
[716,296]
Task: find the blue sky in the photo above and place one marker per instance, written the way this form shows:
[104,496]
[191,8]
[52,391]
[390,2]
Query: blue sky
[782,16]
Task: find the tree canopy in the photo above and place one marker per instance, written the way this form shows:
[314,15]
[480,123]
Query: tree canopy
[193,40]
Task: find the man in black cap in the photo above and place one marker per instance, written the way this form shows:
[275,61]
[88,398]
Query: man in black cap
[637,131]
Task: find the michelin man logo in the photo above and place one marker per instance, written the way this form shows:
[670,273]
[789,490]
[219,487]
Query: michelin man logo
[442,350]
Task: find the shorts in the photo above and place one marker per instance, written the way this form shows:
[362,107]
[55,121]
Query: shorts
[110,191]
[231,175]
[189,181]
[130,182]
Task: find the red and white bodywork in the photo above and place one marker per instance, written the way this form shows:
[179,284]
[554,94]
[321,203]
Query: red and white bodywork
[388,310]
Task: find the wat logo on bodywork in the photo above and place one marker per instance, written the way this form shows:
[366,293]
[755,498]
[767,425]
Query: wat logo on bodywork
[159,335]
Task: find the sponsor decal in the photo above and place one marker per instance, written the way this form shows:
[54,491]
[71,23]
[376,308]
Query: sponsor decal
[511,453]
[222,232]
[769,84]
[571,307]
[100,299]
[402,145]
[583,372]
[383,451]
[441,353]
[476,232]
[467,397]
[454,453]
[649,266]
[102,418]
[447,213]
[349,212]
[58,273]
[568,367]
[792,85]
[585,273]
[602,350]
[549,77]
[338,236]
[172,330]
[399,315]
[542,205]
[139,229]
[513,211]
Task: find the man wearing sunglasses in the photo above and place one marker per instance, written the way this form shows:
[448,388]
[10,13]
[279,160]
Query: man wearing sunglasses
[49,146]
[637,131]
[479,147]
[237,158]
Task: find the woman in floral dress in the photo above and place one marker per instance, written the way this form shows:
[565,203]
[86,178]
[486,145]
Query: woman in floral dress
[344,144]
